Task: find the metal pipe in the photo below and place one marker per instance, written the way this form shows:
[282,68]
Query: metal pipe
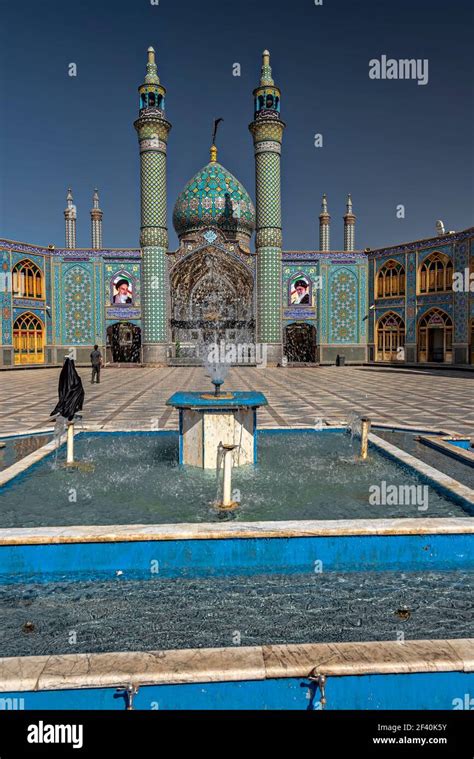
[227,486]
[364,437]
[319,681]
[70,443]
[226,449]
[128,692]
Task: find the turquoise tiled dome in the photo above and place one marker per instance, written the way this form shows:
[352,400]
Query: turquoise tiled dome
[214,197]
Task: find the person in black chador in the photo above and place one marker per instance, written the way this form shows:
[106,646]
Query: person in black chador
[70,391]
[96,362]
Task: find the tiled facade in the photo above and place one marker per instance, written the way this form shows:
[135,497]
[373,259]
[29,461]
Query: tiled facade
[153,305]
[453,306]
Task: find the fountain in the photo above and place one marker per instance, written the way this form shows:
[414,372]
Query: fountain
[208,421]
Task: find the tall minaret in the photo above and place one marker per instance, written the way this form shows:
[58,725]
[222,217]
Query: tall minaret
[267,131]
[153,128]
[96,221]
[324,225]
[349,226]
[70,216]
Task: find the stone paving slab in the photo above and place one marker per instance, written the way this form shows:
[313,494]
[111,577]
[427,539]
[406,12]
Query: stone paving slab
[136,397]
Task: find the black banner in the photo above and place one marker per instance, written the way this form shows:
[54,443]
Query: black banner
[369,733]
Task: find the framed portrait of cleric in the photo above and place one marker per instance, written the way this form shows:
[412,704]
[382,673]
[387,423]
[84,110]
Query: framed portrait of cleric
[121,291]
[300,291]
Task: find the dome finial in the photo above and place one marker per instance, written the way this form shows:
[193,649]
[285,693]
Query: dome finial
[213,142]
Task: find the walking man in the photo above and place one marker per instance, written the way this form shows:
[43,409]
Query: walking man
[96,362]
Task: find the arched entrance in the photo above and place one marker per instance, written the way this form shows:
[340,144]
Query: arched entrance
[28,339]
[435,337]
[211,300]
[124,341]
[390,337]
[300,343]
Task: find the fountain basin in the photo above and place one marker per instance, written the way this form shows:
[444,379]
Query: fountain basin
[348,626]
[137,480]
[363,568]
[206,421]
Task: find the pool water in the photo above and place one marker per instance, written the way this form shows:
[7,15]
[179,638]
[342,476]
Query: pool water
[74,614]
[136,479]
[16,448]
[466,444]
[408,441]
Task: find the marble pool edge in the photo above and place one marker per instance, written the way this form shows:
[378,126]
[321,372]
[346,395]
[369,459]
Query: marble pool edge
[444,445]
[228,530]
[265,662]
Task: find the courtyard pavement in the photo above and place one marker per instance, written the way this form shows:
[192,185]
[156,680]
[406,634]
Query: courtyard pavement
[135,397]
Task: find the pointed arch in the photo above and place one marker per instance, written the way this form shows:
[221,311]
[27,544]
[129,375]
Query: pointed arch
[28,339]
[390,337]
[435,337]
[435,274]
[211,299]
[391,280]
[27,280]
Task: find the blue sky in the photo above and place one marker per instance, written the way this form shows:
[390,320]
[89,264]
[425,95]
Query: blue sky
[387,142]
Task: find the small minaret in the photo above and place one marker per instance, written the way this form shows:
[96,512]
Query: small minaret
[349,226]
[324,225]
[96,221]
[70,216]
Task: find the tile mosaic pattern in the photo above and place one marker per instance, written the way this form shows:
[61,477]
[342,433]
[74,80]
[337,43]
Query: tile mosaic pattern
[269,294]
[461,302]
[78,305]
[154,295]
[268,190]
[343,306]
[153,188]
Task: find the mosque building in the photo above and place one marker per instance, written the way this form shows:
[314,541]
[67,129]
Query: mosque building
[412,303]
